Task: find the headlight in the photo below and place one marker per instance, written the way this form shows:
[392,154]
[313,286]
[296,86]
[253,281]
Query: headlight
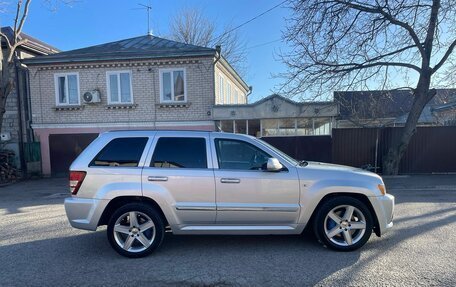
[382,188]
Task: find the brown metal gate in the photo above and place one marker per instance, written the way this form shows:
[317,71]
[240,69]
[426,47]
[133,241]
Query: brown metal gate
[314,148]
[431,149]
[64,148]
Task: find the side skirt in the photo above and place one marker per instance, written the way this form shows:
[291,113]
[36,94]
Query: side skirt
[238,229]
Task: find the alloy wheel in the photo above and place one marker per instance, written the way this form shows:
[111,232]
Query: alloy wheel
[345,225]
[134,231]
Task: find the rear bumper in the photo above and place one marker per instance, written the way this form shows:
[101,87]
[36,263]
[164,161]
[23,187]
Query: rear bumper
[84,213]
[384,209]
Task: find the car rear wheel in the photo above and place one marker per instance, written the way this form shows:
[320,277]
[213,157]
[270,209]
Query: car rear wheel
[343,223]
[135,230]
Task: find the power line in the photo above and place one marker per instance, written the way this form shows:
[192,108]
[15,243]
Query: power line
[263,44]
[248,21]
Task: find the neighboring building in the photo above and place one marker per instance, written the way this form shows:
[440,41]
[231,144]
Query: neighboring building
[391,108]
[277,116]
[16,120]
[140,83]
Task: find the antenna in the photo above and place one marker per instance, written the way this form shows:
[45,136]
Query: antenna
[148,8]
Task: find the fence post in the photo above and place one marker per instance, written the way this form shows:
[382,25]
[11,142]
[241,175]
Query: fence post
[376,151]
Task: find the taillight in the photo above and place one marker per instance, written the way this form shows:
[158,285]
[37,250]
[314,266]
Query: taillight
[76,179]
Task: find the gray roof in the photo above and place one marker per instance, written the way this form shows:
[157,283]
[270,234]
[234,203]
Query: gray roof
[394,104]
[33,44]
[426,117]
[386,103]
[142,47]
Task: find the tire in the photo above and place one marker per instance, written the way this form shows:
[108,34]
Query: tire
[335,228]
[137,238]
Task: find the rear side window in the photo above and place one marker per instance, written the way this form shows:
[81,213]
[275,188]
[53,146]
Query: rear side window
[121,152]
[180,153]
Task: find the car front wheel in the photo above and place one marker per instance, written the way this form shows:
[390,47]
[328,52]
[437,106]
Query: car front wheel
[135,230]
[343,223]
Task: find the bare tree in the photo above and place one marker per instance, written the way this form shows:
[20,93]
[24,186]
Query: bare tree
[190,26]
[7,54]
[371,44]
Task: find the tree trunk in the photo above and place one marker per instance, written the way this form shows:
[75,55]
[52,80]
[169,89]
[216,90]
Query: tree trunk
[397,150]
[2,108]
[6,86]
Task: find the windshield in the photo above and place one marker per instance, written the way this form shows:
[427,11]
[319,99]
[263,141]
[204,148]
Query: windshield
[281,153]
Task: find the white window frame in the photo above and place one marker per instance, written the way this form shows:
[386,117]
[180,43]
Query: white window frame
[56,85]
[221,89]
[108,87]
[236,96]
[228,92]
[171,70]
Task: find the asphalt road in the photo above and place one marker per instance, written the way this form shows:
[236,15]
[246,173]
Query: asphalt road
[39,248]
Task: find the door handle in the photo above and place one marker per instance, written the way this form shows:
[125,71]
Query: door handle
[230,180]
[157,178]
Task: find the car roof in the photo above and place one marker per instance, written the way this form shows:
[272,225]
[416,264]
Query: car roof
[116,133]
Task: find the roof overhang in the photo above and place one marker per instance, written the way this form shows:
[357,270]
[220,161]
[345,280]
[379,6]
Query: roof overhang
[56,59]
[275,106]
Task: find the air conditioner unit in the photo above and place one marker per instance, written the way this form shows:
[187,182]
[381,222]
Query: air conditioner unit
[4,137]
[91,97]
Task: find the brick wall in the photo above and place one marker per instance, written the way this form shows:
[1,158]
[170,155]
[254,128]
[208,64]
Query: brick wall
[145,87]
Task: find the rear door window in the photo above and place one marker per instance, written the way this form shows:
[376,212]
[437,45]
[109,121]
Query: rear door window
[121,152]
[180,152]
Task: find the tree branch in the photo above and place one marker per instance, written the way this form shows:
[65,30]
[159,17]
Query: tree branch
[356,66]
[445,57]
[24,16]
[390,18]
[18,10]
[391,53]
[13,48]
[431,29]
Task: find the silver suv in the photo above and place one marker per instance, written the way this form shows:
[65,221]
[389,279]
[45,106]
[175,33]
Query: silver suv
[141,183]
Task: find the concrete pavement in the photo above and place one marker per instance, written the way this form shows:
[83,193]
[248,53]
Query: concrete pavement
[39,248]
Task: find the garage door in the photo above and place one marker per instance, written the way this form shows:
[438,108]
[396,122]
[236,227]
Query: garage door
[64,148]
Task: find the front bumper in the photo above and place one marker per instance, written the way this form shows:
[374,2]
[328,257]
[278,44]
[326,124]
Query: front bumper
[384,209]
[84,213]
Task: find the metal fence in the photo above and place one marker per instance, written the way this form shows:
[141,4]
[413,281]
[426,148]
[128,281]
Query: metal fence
[431,149]
[314,148]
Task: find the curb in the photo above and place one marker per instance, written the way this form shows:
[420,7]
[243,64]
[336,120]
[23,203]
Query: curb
[429,188]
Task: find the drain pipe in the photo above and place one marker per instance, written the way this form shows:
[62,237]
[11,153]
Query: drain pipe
[20,121]
[218,55]
[248,94]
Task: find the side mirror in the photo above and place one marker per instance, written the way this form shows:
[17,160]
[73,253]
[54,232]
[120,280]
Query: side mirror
[273,165]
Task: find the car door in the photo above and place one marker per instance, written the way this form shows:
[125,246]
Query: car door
[179,167]
[248,194]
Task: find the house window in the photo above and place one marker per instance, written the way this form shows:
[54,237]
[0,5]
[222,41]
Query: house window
[119,87]
[173,85]
[228,93]
[221,90]
[236,97]
[67,89]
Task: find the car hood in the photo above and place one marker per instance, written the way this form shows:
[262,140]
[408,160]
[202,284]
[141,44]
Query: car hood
[337,171]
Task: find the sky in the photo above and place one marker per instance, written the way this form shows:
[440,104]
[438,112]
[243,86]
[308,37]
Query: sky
[90,22]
